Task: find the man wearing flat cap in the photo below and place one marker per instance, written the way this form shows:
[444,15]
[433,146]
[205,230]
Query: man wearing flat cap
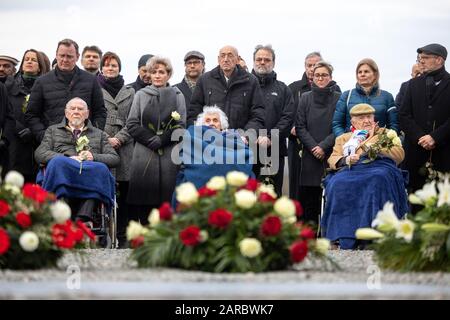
[425,117]
[364,132]
[7,67]
[143,78]
[194,66]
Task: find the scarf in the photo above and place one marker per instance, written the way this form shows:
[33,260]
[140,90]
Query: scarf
[28,81]
[321,95]
[113,86]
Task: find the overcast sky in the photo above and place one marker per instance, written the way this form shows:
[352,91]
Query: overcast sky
[343,31]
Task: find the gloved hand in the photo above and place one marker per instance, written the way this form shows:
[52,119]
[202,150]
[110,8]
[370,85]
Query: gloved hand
[25,135]
[154,143]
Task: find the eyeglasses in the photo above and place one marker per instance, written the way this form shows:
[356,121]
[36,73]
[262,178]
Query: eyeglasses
[193,62]
[424,57]
[321,75]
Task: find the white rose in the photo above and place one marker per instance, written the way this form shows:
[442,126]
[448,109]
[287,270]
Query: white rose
[216,183]
[187,193]
[285,207]
[250,247]
[134,230]
[391,134]
[14,178]
[60,211]
[290,220]
[236,178]
[13,189]
[245,199]
[175,115]
[29,241]
[154,218]
[397,142]
[322,245]
[204,235]
[269,189]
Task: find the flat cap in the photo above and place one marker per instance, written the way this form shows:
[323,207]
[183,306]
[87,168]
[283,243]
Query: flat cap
[361,108]
[14,61]
[435,49]
[194,54]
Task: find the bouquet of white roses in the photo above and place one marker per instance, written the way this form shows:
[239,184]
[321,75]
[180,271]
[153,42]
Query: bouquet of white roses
[387,138]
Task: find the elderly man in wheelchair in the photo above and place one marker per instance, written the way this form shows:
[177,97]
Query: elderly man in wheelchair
[77,157]
[360,185]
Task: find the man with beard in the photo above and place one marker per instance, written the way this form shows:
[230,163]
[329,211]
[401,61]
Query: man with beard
[194,63]
[7,67]
[279,109]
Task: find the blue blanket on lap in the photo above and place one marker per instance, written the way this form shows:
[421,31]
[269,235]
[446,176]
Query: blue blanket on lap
[354,196]
[62,177]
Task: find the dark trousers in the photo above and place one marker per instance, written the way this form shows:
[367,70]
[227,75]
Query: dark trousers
[139,213]
[311,200]
[295,164]
[275,179]
[122,210]
[82,209]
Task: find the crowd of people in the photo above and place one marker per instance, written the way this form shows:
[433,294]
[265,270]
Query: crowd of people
[45,108]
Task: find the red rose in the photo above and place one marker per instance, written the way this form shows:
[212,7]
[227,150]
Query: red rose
[307,233]
[4,241]
[252,184]
[23,219]
[4,208]
[86,230]
[265,197]
[271,226]
[137,242]
[63,236]
[206,192]
[298,208]
[165,211]
[190,236]
[34,192]
[220,218]
[299,250]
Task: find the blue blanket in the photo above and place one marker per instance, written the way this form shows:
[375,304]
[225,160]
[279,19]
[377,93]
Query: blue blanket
[62,177]
[354,196]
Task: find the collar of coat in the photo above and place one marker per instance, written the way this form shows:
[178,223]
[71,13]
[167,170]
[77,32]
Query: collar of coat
[239,75]
[87,125]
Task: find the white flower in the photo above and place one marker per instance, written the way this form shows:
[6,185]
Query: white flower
[386,219]
[250,247]
[368,234]
[391,134]
[216,183]
[322,245]
[60,211]
[154,218]
[15,190]
[204,235]
[245,199]
[29,241]
[285,207]
[267,188]
[414,199]
[397,142]
[405,230]
[187,193]
[435,227]
[14,178]
[236,178]
[428,192]
[134,230]
[444,192]
[175,115]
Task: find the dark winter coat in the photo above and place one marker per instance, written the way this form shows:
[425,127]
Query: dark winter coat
[184,88]
[152,175]
[240,99]
[313,127]
[138,84]
[421,115]
[50,94]
[6,127]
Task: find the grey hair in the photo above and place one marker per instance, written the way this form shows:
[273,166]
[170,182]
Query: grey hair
[76,99]
[213,109]
[154,61]
[324,64]
[267,47]
[313,54]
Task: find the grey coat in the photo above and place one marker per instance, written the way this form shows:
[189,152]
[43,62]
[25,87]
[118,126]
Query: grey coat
[58,141]
[118,110]
[152,176]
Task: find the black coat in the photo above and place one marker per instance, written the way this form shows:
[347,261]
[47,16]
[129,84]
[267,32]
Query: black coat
[420,116]
[401,94]
[50,94]
[138,84]
[184,88]
[6,127]
[240,99]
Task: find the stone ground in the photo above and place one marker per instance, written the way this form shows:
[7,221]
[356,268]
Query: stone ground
[109,274]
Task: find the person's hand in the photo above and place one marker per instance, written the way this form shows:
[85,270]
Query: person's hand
[293,132]
[264,141]
[244,139]
[427,142]
[25,135]
[373,129]
[318,152]
[352,159]
[78,158]
[86,155]
[115,143]
[154,143]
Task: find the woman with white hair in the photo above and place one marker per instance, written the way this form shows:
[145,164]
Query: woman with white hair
[213,116]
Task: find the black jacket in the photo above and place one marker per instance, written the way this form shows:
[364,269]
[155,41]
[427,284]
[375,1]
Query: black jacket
[138,84]
[49,97]
[6,127]
[240,99]
[184,88]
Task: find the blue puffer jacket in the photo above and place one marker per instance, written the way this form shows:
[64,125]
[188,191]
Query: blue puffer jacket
[382,101]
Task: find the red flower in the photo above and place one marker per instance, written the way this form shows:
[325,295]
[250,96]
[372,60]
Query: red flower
[265,197]
[271,226]
[190,236]
[307,233]
[23,219]
[299,250]
[220,218]
[4,241]
[86,230]
[63,236]
[165,211]
[298,208]
[206,192]
[4,208]
[34,192]
[137,242]
[252,184]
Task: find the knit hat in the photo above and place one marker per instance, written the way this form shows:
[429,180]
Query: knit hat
[361,108]
[143,60]
[14,61]
[435,49]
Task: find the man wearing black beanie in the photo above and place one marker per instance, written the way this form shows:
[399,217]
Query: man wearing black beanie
[143,78]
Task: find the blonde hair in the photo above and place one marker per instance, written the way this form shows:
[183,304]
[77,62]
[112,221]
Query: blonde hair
[372,65]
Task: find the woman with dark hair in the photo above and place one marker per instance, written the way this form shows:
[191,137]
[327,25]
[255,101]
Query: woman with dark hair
[156,111]
[118,99]
[368,91]
[19,87]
